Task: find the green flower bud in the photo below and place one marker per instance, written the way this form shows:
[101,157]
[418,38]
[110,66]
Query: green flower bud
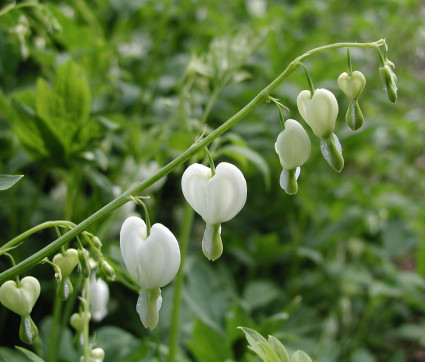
[83,259]
[106,271]
[28,331]
[354,116]
[212,245]
[79,320]
[64,289]
[332,152]
[352,85]
[20,299]
[66,262]
[389,80]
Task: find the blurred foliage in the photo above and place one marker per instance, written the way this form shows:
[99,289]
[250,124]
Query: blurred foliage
[98,94]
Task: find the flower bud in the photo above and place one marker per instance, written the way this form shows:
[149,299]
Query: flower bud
[97,355]
[319,111]
[354,116]
[83,259]
[64,289]
[20,299]
[389,81]
[28,331]
[79,320]
[99,297]
[106,271]
[66,262]
[352,85]
[293,145]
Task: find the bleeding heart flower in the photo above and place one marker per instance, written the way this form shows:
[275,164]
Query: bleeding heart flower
[20,299]
[99,297]
[66,262]
[319,111]
[352,85]
[152,260]
[217,198]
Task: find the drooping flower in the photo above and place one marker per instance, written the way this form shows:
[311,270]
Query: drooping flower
[21,300]
[319,111]
[216,198]
[293,147]
[99,297]
[352,85]
[152,260]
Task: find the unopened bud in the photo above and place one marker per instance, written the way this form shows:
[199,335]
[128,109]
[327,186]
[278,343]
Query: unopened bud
[389,81]
[83,258]
[106,271]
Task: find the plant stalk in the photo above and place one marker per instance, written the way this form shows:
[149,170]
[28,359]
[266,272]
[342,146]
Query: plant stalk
[260,98]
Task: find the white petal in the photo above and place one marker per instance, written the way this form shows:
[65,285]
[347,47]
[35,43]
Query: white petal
[133,233]
[159,258]
[99,297]
[322,112]
[293,145]
[227,194]
[194,186]
[303,100]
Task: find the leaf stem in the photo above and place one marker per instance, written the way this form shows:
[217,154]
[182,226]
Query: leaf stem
[197,147]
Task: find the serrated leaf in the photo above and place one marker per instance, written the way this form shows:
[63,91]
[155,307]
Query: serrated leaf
[7,181]
[252,156]
[279,348]
[31,355]
[300,356]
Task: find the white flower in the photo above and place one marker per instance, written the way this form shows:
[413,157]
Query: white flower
[319,111]
[20,299]
[293,145]
[99,297]
[217,199]
[152,260]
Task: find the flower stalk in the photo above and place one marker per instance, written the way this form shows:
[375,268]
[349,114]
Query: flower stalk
[197,147]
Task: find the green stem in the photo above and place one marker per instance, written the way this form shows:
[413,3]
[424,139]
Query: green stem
[210,161]
[26,234]
[190,152]
[350,65]
[178,287]
[86,340]
[138,201]
[309,81]
[210,103]
[55,330]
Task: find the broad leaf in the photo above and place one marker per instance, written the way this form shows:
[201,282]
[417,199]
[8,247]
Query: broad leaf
[7,181]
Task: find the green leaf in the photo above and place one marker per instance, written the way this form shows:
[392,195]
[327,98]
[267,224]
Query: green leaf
[300,356]
[259,293]
[7,181]
[252,156]
[271,355]
[279,349]
[31,355]
[208,345]
[255,340]
[7,354]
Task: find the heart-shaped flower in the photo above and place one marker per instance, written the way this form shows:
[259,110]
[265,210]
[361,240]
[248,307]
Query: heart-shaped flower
[217,198]
[352,85]
[293,145]
[153,261]
[66,262]
[20,299]
[319,111]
